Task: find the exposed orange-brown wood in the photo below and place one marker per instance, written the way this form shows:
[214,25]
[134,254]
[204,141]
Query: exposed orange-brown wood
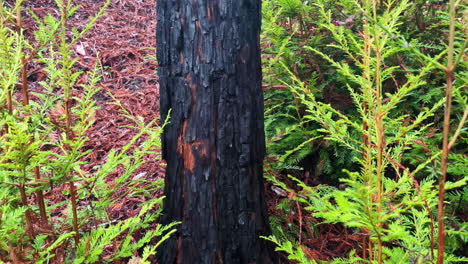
[200,46]
[187,155]
[209,11]
[187,150]
[180,140]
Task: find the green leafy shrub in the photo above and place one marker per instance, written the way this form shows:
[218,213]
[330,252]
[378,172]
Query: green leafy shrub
[42,147]
[383,118]
[291,25]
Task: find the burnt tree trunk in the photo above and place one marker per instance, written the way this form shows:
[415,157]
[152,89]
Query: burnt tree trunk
[210,80]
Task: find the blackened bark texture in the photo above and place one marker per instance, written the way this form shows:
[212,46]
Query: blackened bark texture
[210,79]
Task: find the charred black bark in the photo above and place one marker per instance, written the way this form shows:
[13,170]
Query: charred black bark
[210,78]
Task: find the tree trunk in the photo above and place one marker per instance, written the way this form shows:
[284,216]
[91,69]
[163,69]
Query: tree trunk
[210,80]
